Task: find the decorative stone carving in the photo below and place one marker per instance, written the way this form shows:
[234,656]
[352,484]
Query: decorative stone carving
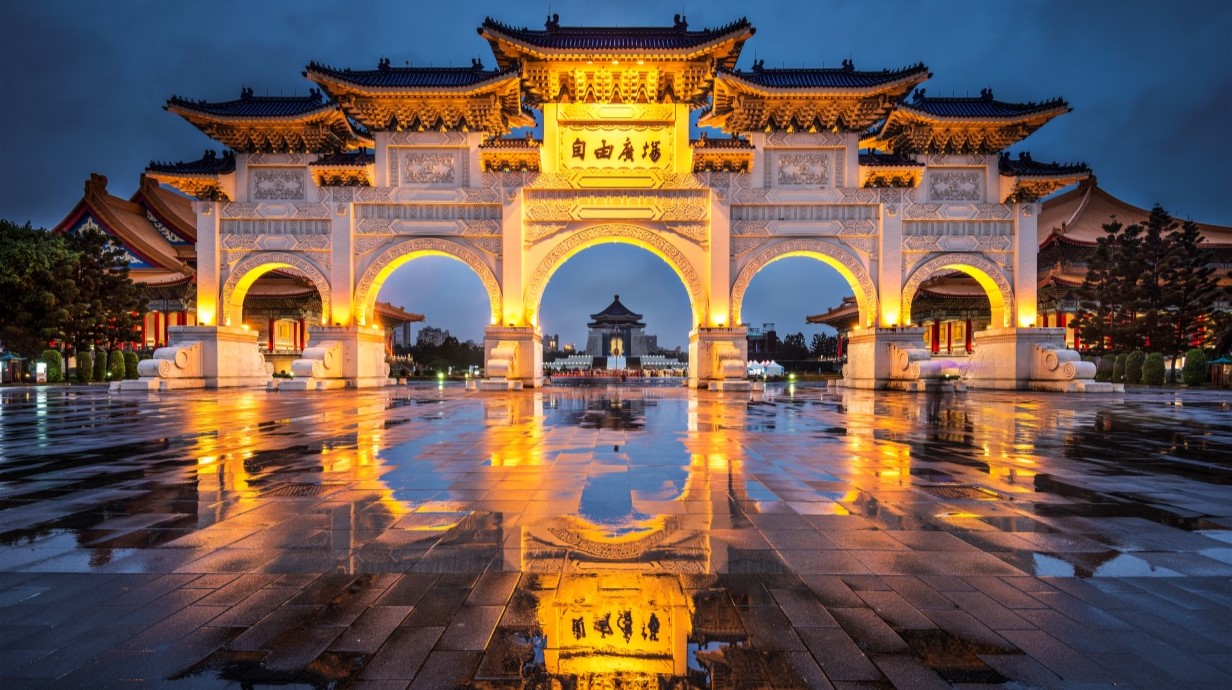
[849,228]
[428,168]
[472,228]
[239,210]
[697,232]
[866,291]
[635,112]
[233,304]
[993,212]
[955,159]
[369,242]
[955,228]
[163,229]
[811,169]
[536,231]
[239,241]
[311,211]
[857,195]
[374,194]
[367,302]
[277,159]
[596,234]
[955,185]
[804,212]
[375,226]
[741,245]
[491,245]
[675,204]
[917,211]
[803,139]
[427,139]
[276,226]
[428,212]
[277,184]
[947,262]
[750,228]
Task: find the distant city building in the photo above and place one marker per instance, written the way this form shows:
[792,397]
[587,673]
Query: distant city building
[763,342]
[551,342]
[430,335]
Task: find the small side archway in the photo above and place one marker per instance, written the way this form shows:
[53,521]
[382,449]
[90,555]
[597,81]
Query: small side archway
[253,266]
[836,257]
[985,272]
[388,261]
[624,234]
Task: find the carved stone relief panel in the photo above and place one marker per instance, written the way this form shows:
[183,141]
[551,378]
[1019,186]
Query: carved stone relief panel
[804,169]
[956,184]
[277,184]
[248,226]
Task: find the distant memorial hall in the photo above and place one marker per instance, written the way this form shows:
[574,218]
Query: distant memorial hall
[378,167]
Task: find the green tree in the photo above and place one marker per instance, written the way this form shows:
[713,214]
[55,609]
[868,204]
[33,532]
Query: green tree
[85,366]
[115,365]
[1105,314]
[1133,367]
[34,284]
[793,347]
[1194,371]
[1103,370]
[100,366]
[1148,272]
[823,345]
[1118,368]
[1153,369]
[55,365]
[130,365]
[1192,290]
[107,304]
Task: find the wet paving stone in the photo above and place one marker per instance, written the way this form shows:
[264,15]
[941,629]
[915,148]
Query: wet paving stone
[614,537]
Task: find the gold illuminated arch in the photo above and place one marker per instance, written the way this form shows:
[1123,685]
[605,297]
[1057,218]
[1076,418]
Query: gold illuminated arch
[828,253]
[624,234]
[985,272]
[253,266]
[369,285]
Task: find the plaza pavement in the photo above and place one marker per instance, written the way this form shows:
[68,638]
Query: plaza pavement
[433,538]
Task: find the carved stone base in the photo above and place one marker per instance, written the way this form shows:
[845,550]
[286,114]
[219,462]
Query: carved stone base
[499,385]
[340,357]
[203,357]
[718,355]
[514,354]
[731,386]
[1030,358]
[871,355]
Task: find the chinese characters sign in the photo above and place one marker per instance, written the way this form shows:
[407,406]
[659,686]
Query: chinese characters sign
[616,148]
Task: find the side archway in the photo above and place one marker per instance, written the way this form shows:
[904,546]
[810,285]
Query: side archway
[985,272]
[836,257]
[369,285]
[625,234]
[253,266]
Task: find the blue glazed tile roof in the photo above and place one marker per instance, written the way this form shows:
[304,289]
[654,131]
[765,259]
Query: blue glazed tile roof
[210,164]
[824,78]
[983,106]
[554,36]
[387,76]
[1023,166]
[248,105]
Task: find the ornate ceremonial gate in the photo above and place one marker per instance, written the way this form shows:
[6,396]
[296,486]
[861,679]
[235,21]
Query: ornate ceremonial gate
[615,164]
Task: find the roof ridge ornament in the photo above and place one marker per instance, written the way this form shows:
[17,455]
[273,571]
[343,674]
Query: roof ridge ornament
[680,23]
[986,94]
[553,22]
[245,94]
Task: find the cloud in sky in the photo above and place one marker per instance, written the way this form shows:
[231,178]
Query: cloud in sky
[82,86]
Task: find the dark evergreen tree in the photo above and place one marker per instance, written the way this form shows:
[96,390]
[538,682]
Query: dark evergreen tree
[1192,289]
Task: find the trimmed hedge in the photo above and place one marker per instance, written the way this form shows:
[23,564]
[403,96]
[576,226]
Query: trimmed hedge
[85,366]
[1103,370]
[1118,368]
[1194,371]
[115,366]
[1133,367]
[1153,370]
[100,366]
[55,365]
[130,365]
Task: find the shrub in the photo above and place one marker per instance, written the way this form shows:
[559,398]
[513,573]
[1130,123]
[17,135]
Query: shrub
[55,365]
[1153,369]
[1103,370]
[85,366]
[1133,367]
[100,366]
[1194,371]
[1118,368]
[116,368]
[130,365]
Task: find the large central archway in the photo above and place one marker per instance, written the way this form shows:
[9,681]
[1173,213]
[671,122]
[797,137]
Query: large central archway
[388,261]
[622,233]
[828,253]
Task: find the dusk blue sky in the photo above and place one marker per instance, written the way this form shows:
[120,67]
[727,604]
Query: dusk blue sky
[82,86]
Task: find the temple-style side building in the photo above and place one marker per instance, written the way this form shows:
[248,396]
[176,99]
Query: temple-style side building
[156,227]
[952,306]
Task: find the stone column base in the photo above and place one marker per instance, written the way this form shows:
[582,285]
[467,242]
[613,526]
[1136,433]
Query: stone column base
[340,357]
[870,357]
[512,354]
[719,356]
[203,357]
[1031,359]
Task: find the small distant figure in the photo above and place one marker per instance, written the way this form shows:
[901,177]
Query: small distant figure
[932,403]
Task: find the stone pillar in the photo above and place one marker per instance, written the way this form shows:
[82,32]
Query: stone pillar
[513,357]
[936,344]
[889,265]
[967,332]
[718,358]
[1026,253]
[209,311]
[272,324]
[509,271]
[303,332]
[720,265]
[204,357]
[949,336]
[342,272]
[341,356]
